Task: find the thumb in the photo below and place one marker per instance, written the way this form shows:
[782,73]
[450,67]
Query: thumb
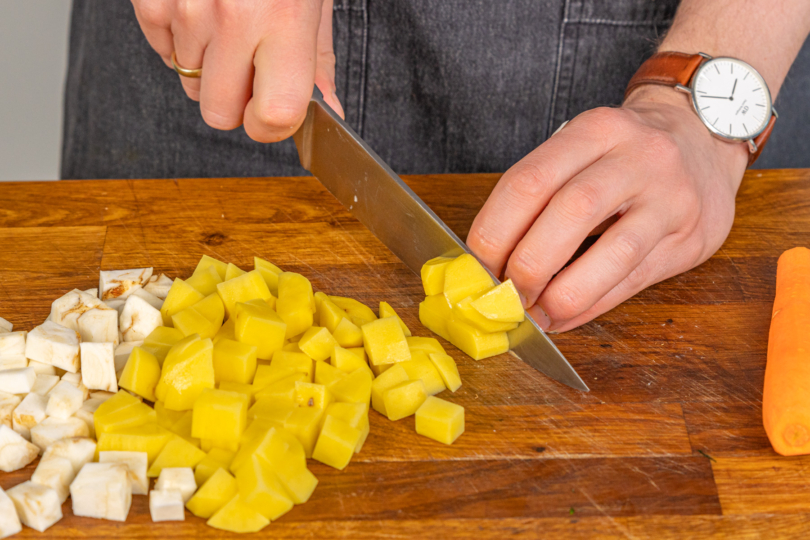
[325,66]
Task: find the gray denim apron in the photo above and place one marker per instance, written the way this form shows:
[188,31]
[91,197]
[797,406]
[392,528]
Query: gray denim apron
[432,85]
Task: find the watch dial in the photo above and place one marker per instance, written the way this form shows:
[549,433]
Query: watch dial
[732,98]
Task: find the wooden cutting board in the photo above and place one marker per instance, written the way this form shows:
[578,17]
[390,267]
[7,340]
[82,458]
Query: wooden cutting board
[668,444]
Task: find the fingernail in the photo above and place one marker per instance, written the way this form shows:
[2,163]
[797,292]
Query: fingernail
[523,301]
[540,317]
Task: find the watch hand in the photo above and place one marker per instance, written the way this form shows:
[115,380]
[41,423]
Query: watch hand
[715,97]
[733,88]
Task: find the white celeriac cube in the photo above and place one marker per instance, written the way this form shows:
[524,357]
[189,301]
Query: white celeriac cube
[102,491]
[92,292]
[177,478]
[15,452]
[64,400]
[54,344]
[99,325]
[117,304]
[42,369]
[37,506]
[122,283]
[67,309]
[102,396]
[122,353]
[150,298]
[159,286]
[138,319]
[30,412]
[55,473]
[98,366]
[9,520]
[76,380]
[6,326]
[44,384]
[8,402]
[17,381]
[52,429]
[85,414]
[12,350]
[78,450]
[136,463]
[166,505]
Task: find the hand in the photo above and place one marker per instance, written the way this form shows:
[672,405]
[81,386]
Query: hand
[652,164]
[260,59]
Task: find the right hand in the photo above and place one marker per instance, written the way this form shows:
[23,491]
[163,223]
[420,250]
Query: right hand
[260,58]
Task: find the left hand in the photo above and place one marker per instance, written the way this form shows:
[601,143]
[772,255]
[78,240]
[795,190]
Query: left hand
[653,164]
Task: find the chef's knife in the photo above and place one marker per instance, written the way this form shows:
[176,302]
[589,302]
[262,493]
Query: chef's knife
[381,201]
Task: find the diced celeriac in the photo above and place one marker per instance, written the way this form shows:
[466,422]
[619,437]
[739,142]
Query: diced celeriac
[116,303]
[159,286]
[150,298]
[67,309]
[9,521]
[64,400]
[44,384]
[8,402]
[56,473]
[92,292]
[98,366]
[18,381]
[177,478]
[51,430]
[76,380]
[99,325]
[77,450]
[42,369]
[103,396]
[86,411]
[122,283]
[37,506]
[6,326]
[53,344]
[136,463]
[166,505]
[30,412]
[15,452]
[102,491]
[12,350]
[138,319]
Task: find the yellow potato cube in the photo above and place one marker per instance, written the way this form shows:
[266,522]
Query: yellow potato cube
[392,377]
[354,414]
[233,271]
[187,371]
[297,361]
[214,493]
[501,303]
[205,281]
[358,312]
[269,272]
[447,369]
[261,327]
[182,428]
[433,275]
[244,288]
[238,517]
[329,314]
[463,277]
[348,334]
[403,399]
[421,368]
[273,444]
[282,388]
[149,438]
[226,331]
[272,411]
[234,361]
[426,345]
[203,318]
[121,411]
[304,422]
[141,374]
[465,312]
[384,342]
[295,302]
[309,394]
[317,343]
[440,420]
[216,458]
[176,453]
[166,417]
[336,443]
[260,488]
[379,370]
[248,389]
[387,311]
[434,313]
[354,387]
[160,341]
[206,262]
[360,351]
[220,416]
[297,480]
[291,347]
[346,361]
[327,374]
[181,295]
[475,343]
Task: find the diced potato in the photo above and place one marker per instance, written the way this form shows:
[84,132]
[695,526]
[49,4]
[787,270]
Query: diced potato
[404,399]
[465,312]
[261,327]
[9,521]
[136,464]
[181,296]
[234,361]
[283,388]
[392,377]
[260,489]
[297,361]
[242,289]
[272,410]
[387,311]
[238,517]
[304,423]
[37,506]
[426,345]
[207,261]
[309,394]
[475,343]
[329,314]
[233,271]
[440,420]
[214,493]
[149,438]
[166,417]
[141,374]
[297,480]
[160,341]
[227,330]
[220,416]
[384,341]
[248,389]
[166,505]
[358,312]
[205,281]
[354,414]
[203,318]
[182,428]
[336,443]
[361,352]
[216,458]
[346,361]
[463,277]
[501,303]
[434,313]
[269,272]
[122,411]
[295,302]
[354,387]
[177,453]
[433,275]
[448,370]
[420,367]
[317,343]
[177,479]
[292,347]
[348,334]
[327,374]
[187,371]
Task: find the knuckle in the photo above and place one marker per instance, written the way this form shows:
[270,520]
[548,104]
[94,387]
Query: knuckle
[187,12]
[638,278]
[483,242]
[580,202]
[603,119]
[628,248]
[153,12]
[564,302]
[529,181]
[525,267]
[662,145]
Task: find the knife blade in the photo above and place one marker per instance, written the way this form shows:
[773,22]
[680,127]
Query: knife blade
[352,172]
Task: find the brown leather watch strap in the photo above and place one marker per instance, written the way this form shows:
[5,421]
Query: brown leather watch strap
[666,68]
[760,140]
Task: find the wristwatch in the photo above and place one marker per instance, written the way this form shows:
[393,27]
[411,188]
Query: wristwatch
[729,96]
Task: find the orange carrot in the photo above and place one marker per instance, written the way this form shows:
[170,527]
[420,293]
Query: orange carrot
[786,396]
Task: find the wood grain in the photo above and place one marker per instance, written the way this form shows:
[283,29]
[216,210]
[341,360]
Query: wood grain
[668,444]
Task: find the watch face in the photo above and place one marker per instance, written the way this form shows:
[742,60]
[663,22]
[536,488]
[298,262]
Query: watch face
[731,98]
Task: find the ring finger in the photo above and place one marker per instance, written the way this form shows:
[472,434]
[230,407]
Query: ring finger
[190,42]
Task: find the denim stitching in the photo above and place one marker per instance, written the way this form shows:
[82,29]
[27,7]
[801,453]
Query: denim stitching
[618,23]
[557,69]
[361,102]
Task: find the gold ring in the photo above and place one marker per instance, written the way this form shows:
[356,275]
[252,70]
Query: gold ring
[190,73]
